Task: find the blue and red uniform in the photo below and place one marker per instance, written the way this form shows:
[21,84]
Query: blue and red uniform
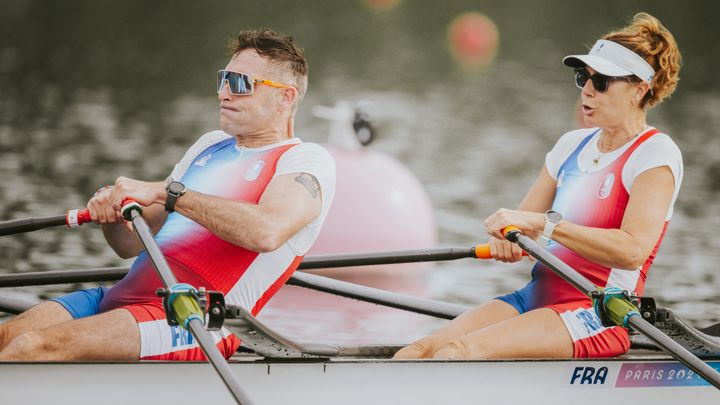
[216,166]
[595,199]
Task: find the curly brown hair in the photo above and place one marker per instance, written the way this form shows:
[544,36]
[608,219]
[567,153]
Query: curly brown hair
[647,37]
[279,49]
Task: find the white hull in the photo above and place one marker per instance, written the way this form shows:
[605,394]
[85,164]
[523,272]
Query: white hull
[631,380]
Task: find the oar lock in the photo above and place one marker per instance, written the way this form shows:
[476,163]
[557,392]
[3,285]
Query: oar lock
[614,306]
[182,302]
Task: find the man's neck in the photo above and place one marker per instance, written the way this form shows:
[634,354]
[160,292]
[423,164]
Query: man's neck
[258,141]
[268,136]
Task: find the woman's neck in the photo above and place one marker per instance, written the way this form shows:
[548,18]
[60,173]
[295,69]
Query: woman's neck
[614,137]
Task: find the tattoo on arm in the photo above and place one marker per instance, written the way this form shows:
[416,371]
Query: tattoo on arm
[310,182]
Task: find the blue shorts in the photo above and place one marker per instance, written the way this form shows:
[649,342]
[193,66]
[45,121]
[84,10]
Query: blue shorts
[82,303]
[519,299]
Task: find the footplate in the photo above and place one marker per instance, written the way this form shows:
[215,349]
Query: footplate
[699,342]
[268,343]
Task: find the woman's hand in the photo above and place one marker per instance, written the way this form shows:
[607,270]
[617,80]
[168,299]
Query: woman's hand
[505,251]
[530,223]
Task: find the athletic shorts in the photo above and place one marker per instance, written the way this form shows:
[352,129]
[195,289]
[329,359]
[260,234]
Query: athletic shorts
[590,338]
[158,340]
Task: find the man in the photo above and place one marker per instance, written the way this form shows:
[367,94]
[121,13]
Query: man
[236,215]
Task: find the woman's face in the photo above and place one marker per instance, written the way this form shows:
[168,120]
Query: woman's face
[614,106]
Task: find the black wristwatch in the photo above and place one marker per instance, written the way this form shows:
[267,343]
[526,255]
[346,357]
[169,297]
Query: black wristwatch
[174,190]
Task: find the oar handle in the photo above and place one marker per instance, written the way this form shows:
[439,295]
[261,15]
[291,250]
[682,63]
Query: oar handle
[75,218]
[483,252]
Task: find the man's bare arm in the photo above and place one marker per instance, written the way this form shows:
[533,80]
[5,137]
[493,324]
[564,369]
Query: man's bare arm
[289,203]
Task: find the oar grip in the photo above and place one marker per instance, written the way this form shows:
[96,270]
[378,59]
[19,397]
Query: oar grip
[483,251]
[128,206]
[75,218]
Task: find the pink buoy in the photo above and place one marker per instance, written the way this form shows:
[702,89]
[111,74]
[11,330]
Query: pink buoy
[379,203]
[379,206]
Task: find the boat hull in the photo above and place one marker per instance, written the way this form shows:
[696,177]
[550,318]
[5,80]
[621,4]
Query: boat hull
[352,381]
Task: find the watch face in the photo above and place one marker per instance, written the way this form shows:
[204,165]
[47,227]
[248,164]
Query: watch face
[554,216]
[175,187]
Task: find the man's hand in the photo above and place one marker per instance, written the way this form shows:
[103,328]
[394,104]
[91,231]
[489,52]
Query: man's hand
[145,193]
[101,211]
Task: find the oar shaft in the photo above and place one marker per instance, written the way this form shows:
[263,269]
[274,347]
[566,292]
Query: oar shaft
[196,326]
[311,262]
[569,274]
[30,224]
[218,362]
[437,309]
[396,257]
[311,281]
[153,250]
[676,350]
[63,277]
[71,219]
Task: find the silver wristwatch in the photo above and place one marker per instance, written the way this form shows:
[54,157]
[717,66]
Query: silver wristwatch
[552,219]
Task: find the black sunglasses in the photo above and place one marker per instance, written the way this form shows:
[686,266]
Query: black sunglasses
[599,82]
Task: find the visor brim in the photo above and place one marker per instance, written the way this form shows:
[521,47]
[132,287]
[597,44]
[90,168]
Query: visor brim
[600,65]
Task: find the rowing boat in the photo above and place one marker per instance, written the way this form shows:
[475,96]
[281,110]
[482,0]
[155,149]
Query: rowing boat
[276,370]
[635,378]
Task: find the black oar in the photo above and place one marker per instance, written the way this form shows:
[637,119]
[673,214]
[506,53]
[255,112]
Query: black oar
[311,262]
[395,257]
[344,289]
[423,306]
[71,219]
[619,310]
[185,306]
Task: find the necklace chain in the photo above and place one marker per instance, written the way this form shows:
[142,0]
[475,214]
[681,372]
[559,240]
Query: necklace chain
[596,160]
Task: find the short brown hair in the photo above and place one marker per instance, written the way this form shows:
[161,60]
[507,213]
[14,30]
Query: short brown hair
[278,48]
[647,37]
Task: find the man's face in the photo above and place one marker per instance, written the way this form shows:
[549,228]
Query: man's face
[254,113]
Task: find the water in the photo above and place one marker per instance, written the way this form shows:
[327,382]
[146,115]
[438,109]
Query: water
[93,90]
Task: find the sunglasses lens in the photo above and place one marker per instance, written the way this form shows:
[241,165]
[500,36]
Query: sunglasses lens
[240,84]
[600,82]
[581,77]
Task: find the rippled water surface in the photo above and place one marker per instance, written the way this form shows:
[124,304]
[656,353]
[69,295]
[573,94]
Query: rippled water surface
[93,90]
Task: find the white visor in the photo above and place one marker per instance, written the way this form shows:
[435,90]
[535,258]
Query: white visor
[612,59]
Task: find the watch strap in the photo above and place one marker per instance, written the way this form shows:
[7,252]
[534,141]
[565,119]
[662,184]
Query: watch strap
[172,197]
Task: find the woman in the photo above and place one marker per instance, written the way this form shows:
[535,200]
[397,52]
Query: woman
[603,201]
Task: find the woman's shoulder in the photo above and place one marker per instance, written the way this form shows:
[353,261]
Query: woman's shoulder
[660,144]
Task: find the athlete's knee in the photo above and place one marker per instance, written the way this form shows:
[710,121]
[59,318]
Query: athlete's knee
[25,346]
[4,335]
[459,349]
[422,348]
